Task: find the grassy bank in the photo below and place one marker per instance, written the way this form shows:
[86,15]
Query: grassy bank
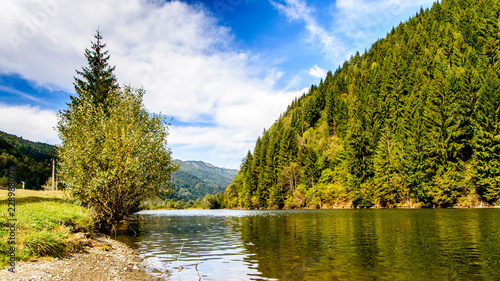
[44,227]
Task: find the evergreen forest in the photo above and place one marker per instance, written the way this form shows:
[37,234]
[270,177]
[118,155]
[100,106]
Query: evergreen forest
[412,122]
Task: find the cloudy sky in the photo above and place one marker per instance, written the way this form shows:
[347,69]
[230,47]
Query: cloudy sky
[223,69]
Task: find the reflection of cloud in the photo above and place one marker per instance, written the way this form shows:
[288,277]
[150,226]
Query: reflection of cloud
[29,122]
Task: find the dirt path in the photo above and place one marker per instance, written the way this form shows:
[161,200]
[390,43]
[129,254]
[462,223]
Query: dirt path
[94,263]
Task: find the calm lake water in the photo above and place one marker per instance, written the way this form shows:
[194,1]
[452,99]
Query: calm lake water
[422,244]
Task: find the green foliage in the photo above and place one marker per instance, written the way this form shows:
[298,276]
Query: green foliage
[166,204]
[113,152]
[43,227]
[209,201]
[98,79]
[111,163]
[215,201]
[32,160]
[195,179]
[415,121]
[40,152]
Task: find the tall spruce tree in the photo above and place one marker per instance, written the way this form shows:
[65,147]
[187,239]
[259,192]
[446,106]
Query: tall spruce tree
[111,157]
[98,80]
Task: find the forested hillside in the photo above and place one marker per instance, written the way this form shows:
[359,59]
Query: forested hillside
[32,160]
[414,121]
[195,179]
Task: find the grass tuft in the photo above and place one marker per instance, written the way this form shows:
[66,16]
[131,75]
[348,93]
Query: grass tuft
[44,226]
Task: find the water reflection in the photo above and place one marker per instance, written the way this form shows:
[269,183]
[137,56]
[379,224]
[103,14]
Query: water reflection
[322,244]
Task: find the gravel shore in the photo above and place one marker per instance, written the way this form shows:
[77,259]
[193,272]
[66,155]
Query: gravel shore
[104,259]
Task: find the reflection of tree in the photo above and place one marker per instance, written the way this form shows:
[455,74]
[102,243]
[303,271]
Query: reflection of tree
[386,244]
[373,244]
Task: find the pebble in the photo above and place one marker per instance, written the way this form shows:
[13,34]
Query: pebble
[76,267]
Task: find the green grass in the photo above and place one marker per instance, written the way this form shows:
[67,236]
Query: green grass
[45,223]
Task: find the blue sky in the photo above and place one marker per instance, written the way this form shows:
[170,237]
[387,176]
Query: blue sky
[223,69]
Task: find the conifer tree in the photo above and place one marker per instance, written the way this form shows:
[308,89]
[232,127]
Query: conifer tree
[111,157]
[413,121]
[97,80]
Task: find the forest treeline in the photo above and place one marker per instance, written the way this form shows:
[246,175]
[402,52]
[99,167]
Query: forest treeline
[32,161]
[414,121]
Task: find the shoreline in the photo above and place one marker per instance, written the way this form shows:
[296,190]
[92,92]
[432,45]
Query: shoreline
[104,259]
[333,208]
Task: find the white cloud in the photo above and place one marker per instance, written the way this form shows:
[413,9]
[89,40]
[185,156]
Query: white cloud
[361,8]
[362,22]
[29,122]
[317,71]
[328,42]
[15,92]
[182,57]
[176,51]
[354,24]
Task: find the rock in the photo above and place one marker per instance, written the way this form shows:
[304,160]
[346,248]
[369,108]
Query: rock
[80,236]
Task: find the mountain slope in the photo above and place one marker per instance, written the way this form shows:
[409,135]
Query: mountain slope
[415,121]
[37,150]
[31,158]
[195,179]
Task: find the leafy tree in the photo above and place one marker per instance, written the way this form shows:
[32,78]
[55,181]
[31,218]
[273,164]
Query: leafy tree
[111,163]
[111,157]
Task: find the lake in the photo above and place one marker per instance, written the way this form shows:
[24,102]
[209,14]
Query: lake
[357,244]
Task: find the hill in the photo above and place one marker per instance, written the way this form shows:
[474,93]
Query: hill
[195,179]
[31,158]
[414,121]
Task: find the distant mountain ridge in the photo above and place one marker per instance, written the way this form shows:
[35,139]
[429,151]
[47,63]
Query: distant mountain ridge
[195,179]
[37,150]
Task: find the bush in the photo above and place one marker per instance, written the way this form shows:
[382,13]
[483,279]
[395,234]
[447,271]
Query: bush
[113,158]
[215,201]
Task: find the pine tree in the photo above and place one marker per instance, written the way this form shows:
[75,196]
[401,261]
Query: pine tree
[413,120]
[98,80]
[486,142]
[387,170]
[111,157]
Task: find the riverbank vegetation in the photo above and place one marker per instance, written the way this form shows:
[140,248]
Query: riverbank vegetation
[46,222]
[113,152]
[414,121]
[209,201]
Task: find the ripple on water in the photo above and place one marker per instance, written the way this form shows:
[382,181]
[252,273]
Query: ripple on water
[323,244]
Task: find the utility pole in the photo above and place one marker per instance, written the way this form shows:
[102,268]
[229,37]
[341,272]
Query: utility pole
[53,172]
